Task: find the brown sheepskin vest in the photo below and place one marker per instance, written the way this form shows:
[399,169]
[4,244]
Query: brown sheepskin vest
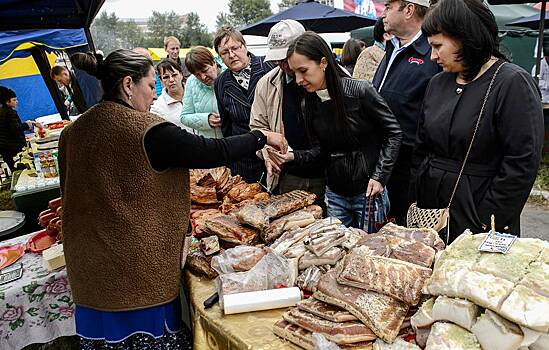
[124,223]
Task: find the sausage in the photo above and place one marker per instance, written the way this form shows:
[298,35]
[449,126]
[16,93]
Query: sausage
[55,203]
[45,219]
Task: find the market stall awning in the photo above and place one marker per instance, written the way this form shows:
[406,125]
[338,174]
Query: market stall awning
[531,22]
[41,14]
[14,44]
[314,16]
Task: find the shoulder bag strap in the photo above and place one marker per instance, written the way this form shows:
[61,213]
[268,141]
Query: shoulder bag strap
[474,134]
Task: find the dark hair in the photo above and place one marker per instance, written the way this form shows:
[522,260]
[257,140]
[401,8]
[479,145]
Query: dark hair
[420,11]
[379,30]
[312,46]
[227,31]
[168,64]
[118,64]
[473,25]
[6,94]
[57,70]
[198,58]
[351,50]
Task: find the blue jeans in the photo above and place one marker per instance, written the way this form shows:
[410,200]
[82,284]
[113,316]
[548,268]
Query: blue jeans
[349,209]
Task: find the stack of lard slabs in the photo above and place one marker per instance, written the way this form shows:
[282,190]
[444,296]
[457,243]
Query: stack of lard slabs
[398,279]
[513,288]
[299,218]
[335,324]
[259,214]
[395,247]
[383,314]
[318,244]
[230,230]
[304,338]
[427,236]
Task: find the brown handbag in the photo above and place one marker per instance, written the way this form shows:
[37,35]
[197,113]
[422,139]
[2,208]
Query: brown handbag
[439,219]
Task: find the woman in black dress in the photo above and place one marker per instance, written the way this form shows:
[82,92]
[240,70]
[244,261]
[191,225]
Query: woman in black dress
[506,151]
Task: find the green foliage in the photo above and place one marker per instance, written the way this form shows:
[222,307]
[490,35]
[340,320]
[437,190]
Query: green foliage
[222,19]
[288,3]
[161,25]
[194,32]
[111,33]
[244,12]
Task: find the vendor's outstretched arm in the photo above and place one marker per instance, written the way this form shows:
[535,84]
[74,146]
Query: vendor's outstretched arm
[169,146]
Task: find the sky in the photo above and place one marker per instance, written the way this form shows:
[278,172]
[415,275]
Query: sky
[207,10]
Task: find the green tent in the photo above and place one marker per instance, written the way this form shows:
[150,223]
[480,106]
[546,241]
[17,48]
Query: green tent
[517,43]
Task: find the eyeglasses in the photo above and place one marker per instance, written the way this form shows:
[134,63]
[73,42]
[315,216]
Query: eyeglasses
[227,51]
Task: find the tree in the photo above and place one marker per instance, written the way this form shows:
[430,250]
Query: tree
[287,3]
[194,32]
[161,25]
[222,19]
[248,11]
[104,32]
[130,35]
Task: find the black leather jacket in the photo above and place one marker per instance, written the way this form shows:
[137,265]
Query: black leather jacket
[365,145]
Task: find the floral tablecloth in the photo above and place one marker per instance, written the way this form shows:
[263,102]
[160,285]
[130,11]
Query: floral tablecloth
[36,308]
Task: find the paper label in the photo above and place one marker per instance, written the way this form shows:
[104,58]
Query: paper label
[500,243]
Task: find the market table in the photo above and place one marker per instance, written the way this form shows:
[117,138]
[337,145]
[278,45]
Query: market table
[36,308]
[213,330]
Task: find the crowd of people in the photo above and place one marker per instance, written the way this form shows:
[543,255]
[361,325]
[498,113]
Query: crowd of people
[429,114]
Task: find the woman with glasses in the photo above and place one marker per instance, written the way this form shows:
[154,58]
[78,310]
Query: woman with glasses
[234,90]
[199,104]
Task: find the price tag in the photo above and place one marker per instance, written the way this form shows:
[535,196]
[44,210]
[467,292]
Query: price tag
[497,243]
[11,273]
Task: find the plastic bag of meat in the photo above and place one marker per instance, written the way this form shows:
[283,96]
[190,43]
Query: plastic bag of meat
[272,271]
[238,259]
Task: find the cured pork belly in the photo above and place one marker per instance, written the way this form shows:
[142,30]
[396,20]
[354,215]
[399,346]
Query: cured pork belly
[381,313]
[399,279]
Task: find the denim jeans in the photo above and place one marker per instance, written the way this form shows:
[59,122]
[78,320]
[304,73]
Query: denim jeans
[349,209]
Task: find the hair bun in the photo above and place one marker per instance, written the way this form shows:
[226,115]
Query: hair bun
[100,71]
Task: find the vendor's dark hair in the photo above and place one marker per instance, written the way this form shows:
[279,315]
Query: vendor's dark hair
[312,46]
[169,65]
[351,50]
[118,64]
[472,24]
[379,30]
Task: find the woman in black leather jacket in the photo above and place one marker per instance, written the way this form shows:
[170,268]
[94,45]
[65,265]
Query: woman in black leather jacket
[356,134]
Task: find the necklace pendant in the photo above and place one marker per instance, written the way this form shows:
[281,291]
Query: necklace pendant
[459,90]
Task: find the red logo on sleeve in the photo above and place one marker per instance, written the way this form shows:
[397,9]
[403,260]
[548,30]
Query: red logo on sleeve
[414,60]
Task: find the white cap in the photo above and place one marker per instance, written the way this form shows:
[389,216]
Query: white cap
[280,37]
[425,3]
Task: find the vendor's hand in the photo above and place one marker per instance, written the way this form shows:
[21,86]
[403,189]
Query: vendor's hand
[214,120]
[272,167]
[276,140]
[279,158]
[374,187]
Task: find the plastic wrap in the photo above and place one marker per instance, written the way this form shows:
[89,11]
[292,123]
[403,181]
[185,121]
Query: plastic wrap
[309,278]
[238,259]
[321,343]
[272,271]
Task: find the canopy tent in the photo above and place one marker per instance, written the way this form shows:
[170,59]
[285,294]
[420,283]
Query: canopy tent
[52,14]
[314,16]
[16,43]
[541,26]
[26,58]
[531,22]
[515,41]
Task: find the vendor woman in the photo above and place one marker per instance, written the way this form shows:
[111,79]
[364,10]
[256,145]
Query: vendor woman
[125,187]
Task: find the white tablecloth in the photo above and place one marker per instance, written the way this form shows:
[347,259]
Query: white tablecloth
[36,308]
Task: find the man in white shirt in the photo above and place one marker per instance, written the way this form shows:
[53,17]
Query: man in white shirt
[170,103]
